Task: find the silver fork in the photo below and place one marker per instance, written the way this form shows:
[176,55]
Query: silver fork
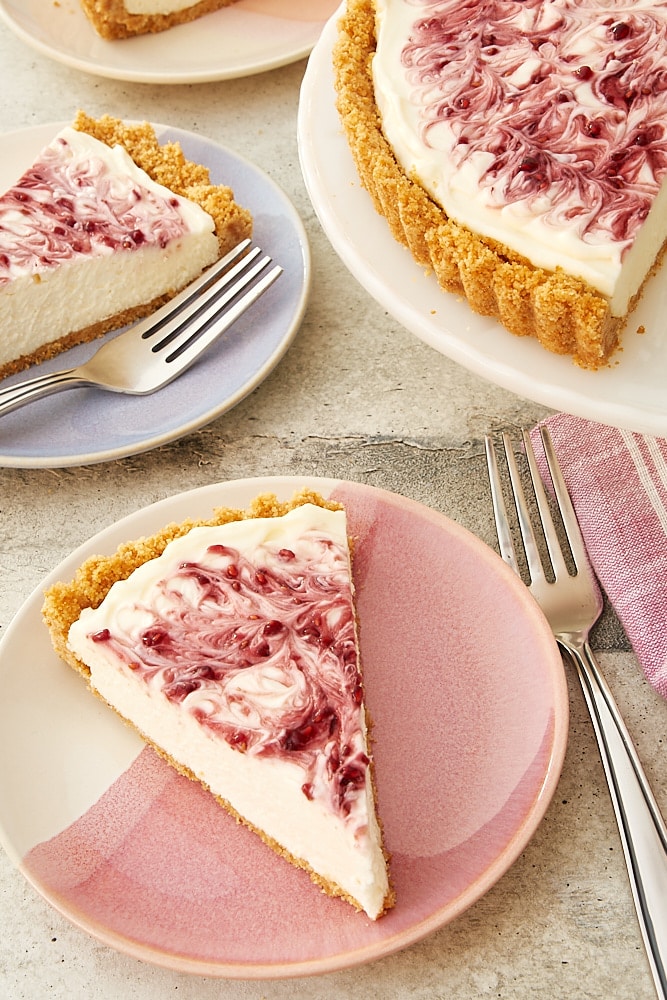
[161,347]
[572,604]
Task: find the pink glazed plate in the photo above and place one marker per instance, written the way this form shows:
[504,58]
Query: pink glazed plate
[467,693]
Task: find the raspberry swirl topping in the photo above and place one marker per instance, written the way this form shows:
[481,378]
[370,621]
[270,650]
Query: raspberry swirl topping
[80,198]
[538,124]
[259,646]
[568,100]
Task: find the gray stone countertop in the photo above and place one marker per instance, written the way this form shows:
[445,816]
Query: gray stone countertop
[356,397]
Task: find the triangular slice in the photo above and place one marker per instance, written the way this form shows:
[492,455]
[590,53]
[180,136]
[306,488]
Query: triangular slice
[102,227]
[232,648]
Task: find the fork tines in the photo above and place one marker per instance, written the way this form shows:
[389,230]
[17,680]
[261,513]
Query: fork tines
[528,535]
[572,604]
[203,299]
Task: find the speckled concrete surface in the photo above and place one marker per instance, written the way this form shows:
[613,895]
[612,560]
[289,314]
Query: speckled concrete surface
[360,398]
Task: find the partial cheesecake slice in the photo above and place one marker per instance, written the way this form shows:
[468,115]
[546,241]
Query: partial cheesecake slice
[103,227]
[124,18]
[518,151]
[231,646]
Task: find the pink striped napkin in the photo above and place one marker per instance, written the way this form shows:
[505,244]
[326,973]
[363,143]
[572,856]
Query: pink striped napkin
[618,483]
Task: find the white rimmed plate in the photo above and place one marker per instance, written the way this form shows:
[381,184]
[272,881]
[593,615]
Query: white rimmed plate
[82,426]
[630,393]
[469,703]
[249,37]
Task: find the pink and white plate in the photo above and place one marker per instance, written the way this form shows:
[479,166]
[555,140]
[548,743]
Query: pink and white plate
[467,692]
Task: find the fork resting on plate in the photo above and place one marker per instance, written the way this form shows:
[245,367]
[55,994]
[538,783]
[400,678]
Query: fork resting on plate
[161,347]
[572,604]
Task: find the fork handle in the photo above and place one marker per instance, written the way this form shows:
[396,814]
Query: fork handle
[13,396]
[641,826]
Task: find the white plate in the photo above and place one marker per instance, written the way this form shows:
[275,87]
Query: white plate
[249,37]
[81,426]
[631,393]
[470,720]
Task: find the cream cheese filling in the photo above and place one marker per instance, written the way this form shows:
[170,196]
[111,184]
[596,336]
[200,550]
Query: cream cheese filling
[37,310]
[266,793]
[262,782]
[154,7]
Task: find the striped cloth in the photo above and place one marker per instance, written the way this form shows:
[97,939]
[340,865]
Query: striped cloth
[618,483]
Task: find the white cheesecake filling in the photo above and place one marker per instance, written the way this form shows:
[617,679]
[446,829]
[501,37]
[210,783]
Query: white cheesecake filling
[86,234]
[152,7]
[540,126]
[266,793]
[35,311]
[235,652]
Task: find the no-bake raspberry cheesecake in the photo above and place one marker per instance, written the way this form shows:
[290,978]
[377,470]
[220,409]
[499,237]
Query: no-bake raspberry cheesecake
[103,227]
[124,18]
[231,646]
[519,149]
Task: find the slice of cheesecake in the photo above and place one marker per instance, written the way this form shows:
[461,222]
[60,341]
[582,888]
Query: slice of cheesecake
[104,226]
[114,19]
[231,647]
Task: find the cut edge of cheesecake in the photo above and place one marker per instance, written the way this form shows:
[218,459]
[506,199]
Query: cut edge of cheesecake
[65,601]
[167,165]
[112,20]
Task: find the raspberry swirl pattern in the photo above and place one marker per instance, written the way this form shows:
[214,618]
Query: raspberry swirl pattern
[259,646]
[566,100]
[75,201]
[537,125]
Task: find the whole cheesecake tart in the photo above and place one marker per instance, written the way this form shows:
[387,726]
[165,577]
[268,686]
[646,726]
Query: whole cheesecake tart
[124,18]
[231,647]
[519,150]
[104,226]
